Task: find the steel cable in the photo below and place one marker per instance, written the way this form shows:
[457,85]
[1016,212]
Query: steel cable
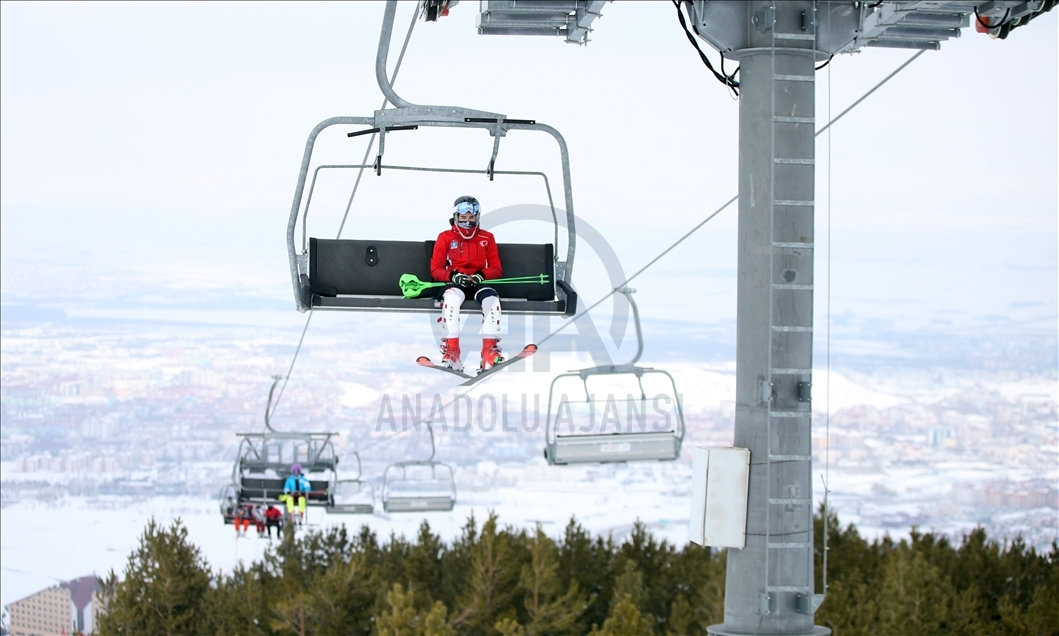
[371,142]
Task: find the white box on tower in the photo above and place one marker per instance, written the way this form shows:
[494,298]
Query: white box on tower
[720,478]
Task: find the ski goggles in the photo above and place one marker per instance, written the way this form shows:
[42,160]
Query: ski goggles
[468,207]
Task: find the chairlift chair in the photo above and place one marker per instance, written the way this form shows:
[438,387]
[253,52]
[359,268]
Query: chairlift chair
[362,274]
[353,496]
[226,503]
[418,486]
[263,462]
[627,446]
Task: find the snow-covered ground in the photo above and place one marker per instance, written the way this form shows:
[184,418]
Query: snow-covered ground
[46,543]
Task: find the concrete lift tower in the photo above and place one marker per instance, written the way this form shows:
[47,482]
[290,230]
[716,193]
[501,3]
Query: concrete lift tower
[770,582]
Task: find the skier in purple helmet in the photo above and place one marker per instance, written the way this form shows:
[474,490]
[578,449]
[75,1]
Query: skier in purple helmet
[296,488]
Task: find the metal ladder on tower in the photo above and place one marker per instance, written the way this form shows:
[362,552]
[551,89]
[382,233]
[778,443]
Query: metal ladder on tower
[793,499]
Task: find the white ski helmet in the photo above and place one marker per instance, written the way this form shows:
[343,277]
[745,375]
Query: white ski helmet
[466,205]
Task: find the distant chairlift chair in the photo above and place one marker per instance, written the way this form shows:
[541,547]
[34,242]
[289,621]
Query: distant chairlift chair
[353,496]
[420,485]
[629,445]
[263,462]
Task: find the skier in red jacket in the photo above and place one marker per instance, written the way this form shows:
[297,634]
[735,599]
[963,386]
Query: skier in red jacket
[465,256]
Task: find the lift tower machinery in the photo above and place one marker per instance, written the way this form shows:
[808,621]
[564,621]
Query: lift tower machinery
[770,582]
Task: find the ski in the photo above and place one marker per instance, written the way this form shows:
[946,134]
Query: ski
[424,361]
[526,352]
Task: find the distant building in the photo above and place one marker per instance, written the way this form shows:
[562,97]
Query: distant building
[66,608]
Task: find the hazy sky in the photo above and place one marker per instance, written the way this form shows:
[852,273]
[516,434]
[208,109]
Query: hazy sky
[151,150]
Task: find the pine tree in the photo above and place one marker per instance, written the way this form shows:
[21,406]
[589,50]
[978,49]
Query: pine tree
[240,604]
[422,566]
[624,620]
[456,564]
[550,609]
[1041,616]
[492,580]
[589,562]
[400,617]
[681,621]
[165,588]
[709,590]
[914,597]
[510,627]
[654,560]
[629,585]
[436,623]
[344,597]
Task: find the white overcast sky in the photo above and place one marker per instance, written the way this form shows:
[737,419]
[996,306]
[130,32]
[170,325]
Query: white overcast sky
[159,143]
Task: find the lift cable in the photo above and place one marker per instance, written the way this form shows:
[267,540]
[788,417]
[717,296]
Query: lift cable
[827,363]
[875,88]
[371,142]
[655,259]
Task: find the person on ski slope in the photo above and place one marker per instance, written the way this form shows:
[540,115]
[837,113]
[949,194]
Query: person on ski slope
[465,256]
[296,487]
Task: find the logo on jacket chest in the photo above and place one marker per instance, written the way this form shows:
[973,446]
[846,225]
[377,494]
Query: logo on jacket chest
[453,245]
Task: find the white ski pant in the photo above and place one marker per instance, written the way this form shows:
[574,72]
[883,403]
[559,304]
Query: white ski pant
[450,311]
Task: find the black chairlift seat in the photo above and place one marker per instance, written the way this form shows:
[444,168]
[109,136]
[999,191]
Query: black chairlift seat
[363,274]
[268,490]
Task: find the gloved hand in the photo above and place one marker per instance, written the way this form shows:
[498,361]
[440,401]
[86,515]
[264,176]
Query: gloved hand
[461,280]
[478,279]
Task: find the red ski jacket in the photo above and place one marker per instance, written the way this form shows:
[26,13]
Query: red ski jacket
[453,253]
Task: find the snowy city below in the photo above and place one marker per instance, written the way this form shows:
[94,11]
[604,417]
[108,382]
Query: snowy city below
[107,424]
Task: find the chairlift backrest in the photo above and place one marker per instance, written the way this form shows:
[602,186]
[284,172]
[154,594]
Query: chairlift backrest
[363,274]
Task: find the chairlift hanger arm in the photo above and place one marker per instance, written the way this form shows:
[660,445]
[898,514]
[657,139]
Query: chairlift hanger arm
[497,122]
[405,114]
[268,406]
[292,222]
[359,467]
